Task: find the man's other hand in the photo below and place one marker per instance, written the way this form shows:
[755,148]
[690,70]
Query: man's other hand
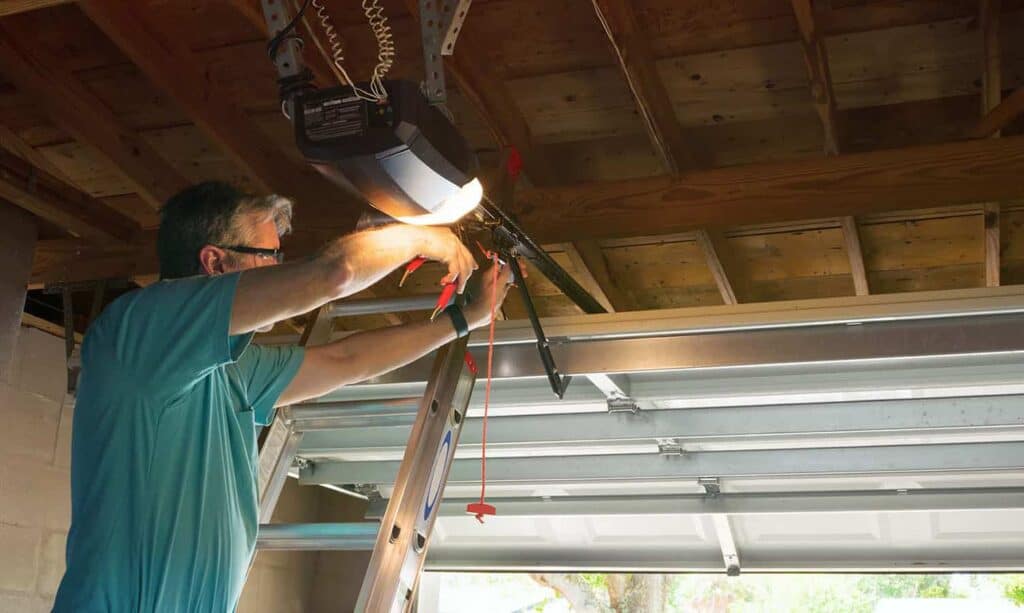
[478,313]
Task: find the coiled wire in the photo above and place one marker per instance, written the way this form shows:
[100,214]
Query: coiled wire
[385,48]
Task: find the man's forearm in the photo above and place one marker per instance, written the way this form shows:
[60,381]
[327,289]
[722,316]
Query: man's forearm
[365,355]
[346,266]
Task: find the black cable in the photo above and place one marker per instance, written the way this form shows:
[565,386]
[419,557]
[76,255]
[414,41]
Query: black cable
[276,41]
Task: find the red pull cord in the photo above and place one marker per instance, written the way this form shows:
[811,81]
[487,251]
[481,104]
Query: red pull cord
[479,509]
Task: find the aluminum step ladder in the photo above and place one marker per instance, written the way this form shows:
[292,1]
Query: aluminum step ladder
[401,541]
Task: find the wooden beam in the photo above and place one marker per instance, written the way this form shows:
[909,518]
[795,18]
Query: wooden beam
[174,68]
[991,94]
[854,253]
[486,91]
[851,237]
[992,77]
[820,78]
[17,145]
[318,63]
[31,321]
[816,58]
[47,197]
[13,7]
[853,184]
[633,53]
[77,111]
[999,116]
[588,259]
[712,245]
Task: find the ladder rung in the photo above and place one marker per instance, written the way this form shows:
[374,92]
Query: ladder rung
[320,536]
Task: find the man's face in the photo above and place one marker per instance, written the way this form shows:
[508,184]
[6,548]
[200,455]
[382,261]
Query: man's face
[219,260]
[265,237]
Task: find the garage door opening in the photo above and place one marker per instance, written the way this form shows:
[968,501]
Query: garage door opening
[453,592]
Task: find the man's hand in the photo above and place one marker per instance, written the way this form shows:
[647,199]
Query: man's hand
[442,245]
[368,354]
[478,313]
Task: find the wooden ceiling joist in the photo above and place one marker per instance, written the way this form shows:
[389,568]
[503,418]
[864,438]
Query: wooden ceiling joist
[822,92]
[819,75]
[179,72]
[589,260]
[712,245]
[17,145]
[637,61]
[45,196]
[13,7]
[1000,116]
[852,184]
[991,94]
[77,111]
[851,239]
[491,98]
[318,62]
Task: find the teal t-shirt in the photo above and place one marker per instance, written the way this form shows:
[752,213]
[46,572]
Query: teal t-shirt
[164,454]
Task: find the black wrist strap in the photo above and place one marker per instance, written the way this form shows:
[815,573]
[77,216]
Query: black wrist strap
[458,320]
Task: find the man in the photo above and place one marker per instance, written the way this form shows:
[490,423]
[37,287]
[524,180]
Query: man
[163,484]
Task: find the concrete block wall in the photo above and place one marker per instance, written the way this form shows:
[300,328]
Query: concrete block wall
[35,506]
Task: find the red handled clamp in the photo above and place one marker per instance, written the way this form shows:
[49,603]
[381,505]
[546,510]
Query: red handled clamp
[444,299]
[447,292]
[412,267]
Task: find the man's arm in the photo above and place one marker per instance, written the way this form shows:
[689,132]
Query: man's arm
[365,355]
[350,264]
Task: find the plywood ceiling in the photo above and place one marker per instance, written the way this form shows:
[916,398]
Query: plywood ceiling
[543,75]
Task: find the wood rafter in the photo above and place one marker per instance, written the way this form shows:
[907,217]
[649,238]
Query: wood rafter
[712,245]
[991,93]
[851,237]
[999,116]
[77,111]
[777,195]
[820,78]
[175,69]
[17,145]
[588,258]
[44,195]
[852,184]
[635,58]
[318,63]
[819,75]
[489,95]
[13,7]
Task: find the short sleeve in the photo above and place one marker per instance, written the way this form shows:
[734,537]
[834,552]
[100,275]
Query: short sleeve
[170,334]
[267,371]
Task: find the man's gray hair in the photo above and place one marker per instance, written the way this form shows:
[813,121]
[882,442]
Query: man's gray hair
[213,213]
[259,209]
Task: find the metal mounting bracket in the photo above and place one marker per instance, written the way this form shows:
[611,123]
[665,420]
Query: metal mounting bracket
[670,446]
[623,405]
[712,486]
[440,24]
[453,14]
[430,33]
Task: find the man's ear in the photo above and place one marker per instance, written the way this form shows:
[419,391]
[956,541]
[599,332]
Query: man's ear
[212,260]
